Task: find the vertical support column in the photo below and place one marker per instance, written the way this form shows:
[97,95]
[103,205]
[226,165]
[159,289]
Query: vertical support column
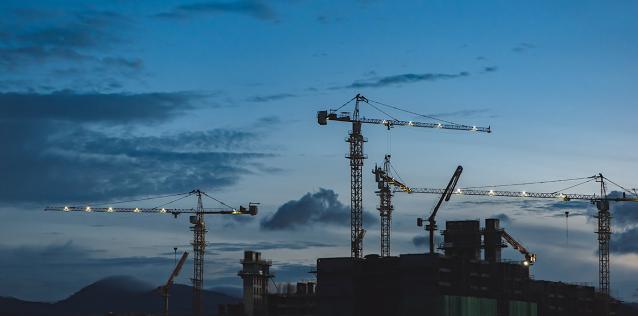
[199,249]
[385,208]
[604,236]
[356,157]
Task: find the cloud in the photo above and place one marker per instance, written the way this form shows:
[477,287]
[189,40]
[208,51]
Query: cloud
[490,69]
[64,151]
[272,97]
[523,47]
[404,78]
[254,8]
[68,36]
[322,207]
[70,106]
[625,241]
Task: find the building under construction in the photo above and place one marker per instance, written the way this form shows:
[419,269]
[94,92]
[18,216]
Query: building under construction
[469,278]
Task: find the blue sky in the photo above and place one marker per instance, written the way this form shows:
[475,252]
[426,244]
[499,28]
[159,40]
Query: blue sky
[113,100]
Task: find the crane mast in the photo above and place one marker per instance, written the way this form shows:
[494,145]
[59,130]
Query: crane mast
[199,250]
[385,204]
[356,157]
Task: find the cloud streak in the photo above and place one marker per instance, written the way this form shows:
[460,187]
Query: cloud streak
[405,79]
[254,8]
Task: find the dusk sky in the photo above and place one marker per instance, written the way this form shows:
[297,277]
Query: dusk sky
[104,101]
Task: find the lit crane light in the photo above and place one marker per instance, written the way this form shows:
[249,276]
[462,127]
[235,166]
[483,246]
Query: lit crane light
[491,193]
[88,209]
[66,208]
[524,193]
[236,212]
[526,263]
[439,125]
[474,128]
[458,191]
[411,123]
[110,210]
[136,210]
[163,210]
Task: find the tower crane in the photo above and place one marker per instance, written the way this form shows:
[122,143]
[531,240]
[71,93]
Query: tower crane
[164,288]
[356,155]
[601,202]
[196,219]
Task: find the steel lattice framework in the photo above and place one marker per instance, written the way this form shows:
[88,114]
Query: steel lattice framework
[198,228]
[603,215]
[385,205]
[357,156]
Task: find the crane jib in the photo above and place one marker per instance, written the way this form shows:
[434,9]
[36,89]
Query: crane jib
[323,117]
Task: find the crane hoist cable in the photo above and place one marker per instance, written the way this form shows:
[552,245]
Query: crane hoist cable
[527,183]
[413,113]
[145,199]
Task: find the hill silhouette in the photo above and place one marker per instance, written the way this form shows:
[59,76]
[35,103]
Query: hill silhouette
[119,295]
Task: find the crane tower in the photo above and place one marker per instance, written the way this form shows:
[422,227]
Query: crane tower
[356,155]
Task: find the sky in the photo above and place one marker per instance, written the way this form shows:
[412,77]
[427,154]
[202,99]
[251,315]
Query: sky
[108,101]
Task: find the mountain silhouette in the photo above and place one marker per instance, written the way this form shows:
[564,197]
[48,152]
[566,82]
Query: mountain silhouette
[118,295]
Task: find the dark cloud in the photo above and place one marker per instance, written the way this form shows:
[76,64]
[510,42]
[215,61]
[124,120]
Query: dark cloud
[313,208]
[271,97]
[70,106]
[523,47]
[404,78]
[490,69]
[254,8]
[70,37]
[625,241]
[63,152]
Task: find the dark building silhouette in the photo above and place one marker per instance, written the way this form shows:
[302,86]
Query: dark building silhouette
[456,283]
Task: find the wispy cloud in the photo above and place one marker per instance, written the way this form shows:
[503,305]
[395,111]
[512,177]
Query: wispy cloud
[63,143]
[254,8]
[271,97]
[523,47]
[404,79]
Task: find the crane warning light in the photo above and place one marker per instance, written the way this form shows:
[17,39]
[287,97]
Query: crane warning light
[411,123]
[88,209]
[459,191]
[491,193]
[523,193]
[136,210]
[110,210]
[474,128]
[526,263]
[163,210]
[66,208]
[439,125]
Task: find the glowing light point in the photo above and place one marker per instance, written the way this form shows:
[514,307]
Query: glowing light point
[439,125]
[110,210]
[163,210]
[136,210]
[88,209]
[411,123]
[491,193]
[66,208]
